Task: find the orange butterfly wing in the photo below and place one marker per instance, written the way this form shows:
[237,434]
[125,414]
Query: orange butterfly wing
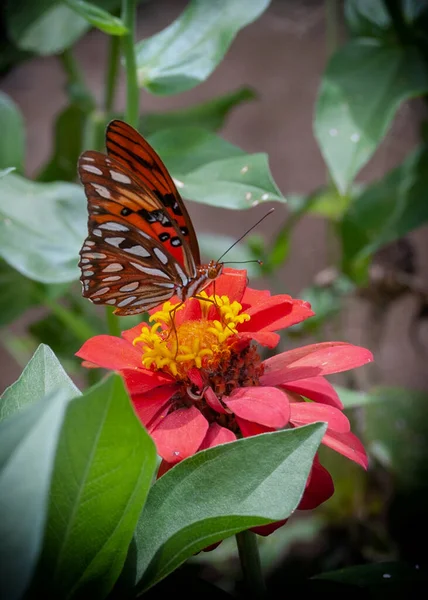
[135,154]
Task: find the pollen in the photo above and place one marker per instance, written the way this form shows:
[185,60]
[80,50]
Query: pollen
[202,343]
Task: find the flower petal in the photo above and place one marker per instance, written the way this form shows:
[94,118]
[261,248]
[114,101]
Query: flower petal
[276,312]
[248,428]
[217,435]
[213,401]
[320,487]
[253,297]
[263,405]
[264,338]
[130,334]
[180,434]
[317,389]
[110,352]
[347,444]
[151,407]
[141,381]
[231,283]
[266,530]
[313,360]
[303,413]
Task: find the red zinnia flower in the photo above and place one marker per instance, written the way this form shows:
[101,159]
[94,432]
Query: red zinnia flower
[199,381]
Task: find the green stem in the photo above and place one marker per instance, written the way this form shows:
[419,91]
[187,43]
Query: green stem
[76,86]
[112,71]
[128,48]
[250,564]
[112,322]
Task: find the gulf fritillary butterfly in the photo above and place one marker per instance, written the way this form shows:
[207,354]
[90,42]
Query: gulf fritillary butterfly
[141,247]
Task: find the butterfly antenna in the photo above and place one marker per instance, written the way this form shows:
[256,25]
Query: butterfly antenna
[269,212]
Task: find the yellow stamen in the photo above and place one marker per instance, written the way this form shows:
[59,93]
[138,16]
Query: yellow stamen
[201,343]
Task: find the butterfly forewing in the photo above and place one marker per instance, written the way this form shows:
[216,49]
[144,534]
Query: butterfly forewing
[132,151]
[125,261]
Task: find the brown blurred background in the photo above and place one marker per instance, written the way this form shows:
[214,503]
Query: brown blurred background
[281,56]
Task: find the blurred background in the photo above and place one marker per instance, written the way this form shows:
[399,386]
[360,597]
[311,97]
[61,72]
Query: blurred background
[282,58]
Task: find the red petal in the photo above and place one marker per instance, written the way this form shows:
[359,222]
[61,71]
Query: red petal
[110,352]
[264,338]
[276,312]
[231,283]
[266,530]
[191,312]
[149,406]
[267,406]
[313,360]
[317,389]
[211,398]
[319,488]
[217,435]
[195,377]
[310,412]
[142,380]
[130,334]
[248,428]
[347,444]
[180,434]
[254,297]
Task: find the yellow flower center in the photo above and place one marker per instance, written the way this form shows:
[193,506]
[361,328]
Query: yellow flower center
[201,343]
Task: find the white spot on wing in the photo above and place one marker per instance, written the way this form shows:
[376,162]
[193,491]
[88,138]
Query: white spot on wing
[85,261]
[127,301]
[92,169]
[101,189]
[129,287]
[89,158]
[149,271]
[113,268]
[88,273]
[98,255]
[178,183]
[111,301]
[114,241]
[138,251]
[111,226]
[90,243]
[161,255]
[181,274]
[120,177]
[101,291]
[97,232]
[112,278]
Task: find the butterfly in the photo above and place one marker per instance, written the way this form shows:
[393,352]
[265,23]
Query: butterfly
[141,248]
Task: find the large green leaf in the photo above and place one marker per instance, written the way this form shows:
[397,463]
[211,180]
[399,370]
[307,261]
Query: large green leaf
[12,147]
[42,375]
[386,211]
[46,26]
[97,17]
[187,52]
[18,293]
[68,140]
[28,443]
[43,227]
[368,18]
[104,466]
[217,493]
[362,88]
[209,170]
[209,115]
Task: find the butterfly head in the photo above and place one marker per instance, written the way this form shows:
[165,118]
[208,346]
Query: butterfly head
[213,269]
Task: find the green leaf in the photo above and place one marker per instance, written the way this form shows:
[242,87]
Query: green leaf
[97,17]
[219,492]
[12,148]
[68,143]
[209,115]
[353,398]
[212,246]
[18,293]
[187,52]
[396,429]
[43,227]
[362,88]
[209,170]
[42,376]
[368,18]
[28,443]
[379,576]
[385,211]
[46,26]
[104,467]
